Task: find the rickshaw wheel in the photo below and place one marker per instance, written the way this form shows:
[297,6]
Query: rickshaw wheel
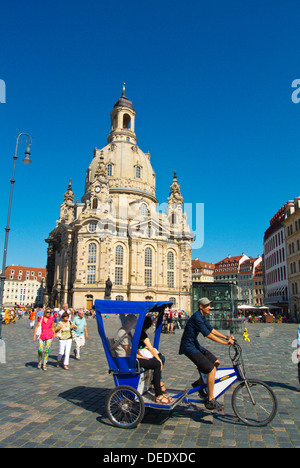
[125,407]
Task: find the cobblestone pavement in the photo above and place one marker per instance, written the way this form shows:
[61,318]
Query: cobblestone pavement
[61,408]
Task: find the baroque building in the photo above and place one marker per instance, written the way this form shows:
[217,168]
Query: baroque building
[118,242]
[291,225]
[275,263]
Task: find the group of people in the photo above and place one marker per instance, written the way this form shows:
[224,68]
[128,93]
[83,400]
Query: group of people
[174,317]
[62,327]
[207,363]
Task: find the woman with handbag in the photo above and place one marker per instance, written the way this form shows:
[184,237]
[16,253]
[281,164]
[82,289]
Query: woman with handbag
[64,333]
[44,332]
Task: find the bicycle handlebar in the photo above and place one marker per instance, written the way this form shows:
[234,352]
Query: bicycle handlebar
[237,350]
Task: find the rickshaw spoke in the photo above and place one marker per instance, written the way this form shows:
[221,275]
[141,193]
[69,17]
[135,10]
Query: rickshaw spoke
[125,407]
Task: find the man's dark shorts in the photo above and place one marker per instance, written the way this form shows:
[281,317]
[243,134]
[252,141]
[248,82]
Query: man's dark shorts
[204,360]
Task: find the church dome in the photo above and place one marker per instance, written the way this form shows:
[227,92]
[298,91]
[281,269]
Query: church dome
[128,168]
[123,101]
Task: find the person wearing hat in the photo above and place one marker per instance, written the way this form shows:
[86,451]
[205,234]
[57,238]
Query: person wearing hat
[205,361]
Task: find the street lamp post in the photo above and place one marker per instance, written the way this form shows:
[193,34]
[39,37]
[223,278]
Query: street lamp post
[26,161]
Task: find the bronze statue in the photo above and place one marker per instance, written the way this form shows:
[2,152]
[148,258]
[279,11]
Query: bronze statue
[108,286]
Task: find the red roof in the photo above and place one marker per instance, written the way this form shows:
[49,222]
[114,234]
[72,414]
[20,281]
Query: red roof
[230,260]
[200,265]
[21,273]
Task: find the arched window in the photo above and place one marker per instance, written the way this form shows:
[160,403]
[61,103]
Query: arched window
[95,204]
[148,257]
[170,269]
[149,232]
[144,209]
[92,252]
[148,267]
[119,255]
[119,259]
[109,170]
[126,121]
[173,300]
[170,261]
[138,172]
[173,218]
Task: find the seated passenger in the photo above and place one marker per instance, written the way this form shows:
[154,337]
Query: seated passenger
[150,358]
[123,339]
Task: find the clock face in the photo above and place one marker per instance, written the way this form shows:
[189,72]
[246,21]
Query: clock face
[97,189]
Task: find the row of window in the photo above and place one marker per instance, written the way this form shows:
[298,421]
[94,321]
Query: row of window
[294,288]
[20,277]
[275,258]
[274,242]
[12,272]
[290,230]
[109,171]
[119,297]
[119,264]
[293,267]
[276,275]
[291,247]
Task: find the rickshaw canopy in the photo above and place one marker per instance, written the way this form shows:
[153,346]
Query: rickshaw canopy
[110,318]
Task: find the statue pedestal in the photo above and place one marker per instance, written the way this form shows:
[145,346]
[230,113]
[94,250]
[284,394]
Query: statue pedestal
[107,298]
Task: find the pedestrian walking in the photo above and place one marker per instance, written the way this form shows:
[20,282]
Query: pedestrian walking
[32,316]
[81,333]
[65,308]
[56,314]
[45,332]
[169,316]
[63,332]
[39,313]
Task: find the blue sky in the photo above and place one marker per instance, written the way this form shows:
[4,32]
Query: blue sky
[210,81]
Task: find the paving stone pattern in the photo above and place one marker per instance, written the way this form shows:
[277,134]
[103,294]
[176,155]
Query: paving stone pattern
[60,408]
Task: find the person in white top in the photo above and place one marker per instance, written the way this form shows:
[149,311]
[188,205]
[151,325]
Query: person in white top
[65,308]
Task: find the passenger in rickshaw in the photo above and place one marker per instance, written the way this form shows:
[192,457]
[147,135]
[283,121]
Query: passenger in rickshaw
[123,339]
[150,358]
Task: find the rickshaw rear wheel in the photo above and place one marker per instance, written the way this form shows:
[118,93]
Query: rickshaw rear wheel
[125,407]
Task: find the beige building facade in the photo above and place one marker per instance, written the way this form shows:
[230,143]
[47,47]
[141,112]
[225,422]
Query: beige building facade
[202,272]
[118,233]
[292,238]
[23,286]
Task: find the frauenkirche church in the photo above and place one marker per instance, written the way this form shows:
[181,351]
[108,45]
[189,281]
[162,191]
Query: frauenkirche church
[119,234]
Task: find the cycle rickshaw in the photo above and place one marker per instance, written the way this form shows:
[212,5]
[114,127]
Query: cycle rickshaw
[253,401]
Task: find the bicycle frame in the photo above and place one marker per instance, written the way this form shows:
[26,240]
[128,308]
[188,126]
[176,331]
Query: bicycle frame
[225,377]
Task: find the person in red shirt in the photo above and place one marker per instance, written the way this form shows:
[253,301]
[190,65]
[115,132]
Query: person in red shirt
[45,338]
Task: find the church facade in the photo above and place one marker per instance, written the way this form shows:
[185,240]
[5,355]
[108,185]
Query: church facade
[118,242]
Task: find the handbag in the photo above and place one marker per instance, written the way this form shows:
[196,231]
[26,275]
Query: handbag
[146,353]
[39,330]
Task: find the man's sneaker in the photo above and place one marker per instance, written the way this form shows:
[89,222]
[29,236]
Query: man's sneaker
[213,405]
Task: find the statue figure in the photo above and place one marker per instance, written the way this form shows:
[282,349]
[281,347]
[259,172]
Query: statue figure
[108,286]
